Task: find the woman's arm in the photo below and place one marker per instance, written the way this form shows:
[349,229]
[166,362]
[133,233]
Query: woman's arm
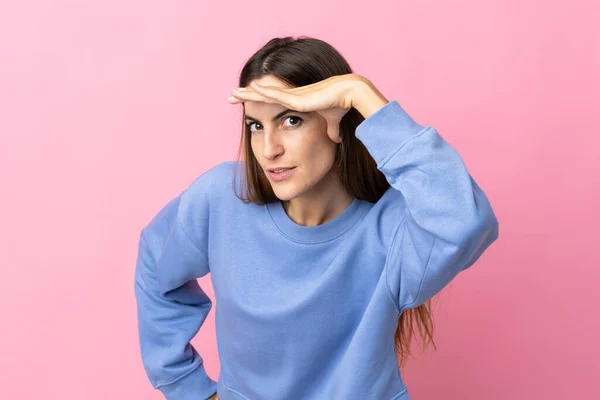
[444,220]
[171,306]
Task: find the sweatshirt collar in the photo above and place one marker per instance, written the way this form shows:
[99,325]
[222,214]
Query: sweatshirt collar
[320,233]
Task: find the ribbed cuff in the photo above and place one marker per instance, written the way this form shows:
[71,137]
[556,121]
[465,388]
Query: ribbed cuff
[195,386]
[387,130]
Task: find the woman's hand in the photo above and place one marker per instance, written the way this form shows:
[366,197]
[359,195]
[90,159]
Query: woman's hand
[331,98]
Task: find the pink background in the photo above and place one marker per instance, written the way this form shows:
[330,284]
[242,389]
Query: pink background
[108,109]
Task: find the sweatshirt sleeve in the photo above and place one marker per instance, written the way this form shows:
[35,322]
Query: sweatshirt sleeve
[444,221]
[171,306]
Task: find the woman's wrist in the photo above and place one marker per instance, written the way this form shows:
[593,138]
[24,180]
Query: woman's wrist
[366,98]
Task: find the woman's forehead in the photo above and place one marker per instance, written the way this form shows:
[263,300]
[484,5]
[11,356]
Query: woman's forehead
[261,111]
[270,80]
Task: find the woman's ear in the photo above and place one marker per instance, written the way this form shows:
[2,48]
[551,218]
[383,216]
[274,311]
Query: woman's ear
[334,133]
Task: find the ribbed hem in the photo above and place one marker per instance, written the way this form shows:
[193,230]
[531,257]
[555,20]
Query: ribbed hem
[197,385]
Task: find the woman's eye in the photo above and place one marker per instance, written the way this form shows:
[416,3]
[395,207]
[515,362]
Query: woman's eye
[291,117]
[294,117]
[250,126]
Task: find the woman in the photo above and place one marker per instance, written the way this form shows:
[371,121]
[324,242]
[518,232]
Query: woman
[349,218]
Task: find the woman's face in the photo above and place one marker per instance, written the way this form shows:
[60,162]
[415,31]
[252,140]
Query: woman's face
[294,139]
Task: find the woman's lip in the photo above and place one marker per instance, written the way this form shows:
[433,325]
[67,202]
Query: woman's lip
[277,169]
[281,175]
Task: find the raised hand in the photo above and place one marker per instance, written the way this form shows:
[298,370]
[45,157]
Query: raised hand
[331,98]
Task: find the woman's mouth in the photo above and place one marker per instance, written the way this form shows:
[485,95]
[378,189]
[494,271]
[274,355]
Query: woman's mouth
[279,175]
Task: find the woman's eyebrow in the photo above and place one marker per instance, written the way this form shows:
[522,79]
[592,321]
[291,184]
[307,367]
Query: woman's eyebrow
[281,114]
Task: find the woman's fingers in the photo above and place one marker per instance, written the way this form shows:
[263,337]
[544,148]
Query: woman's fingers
[315,96]
[251,95]
[268,95]
[279,95]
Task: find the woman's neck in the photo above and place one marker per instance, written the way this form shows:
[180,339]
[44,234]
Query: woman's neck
[322,204]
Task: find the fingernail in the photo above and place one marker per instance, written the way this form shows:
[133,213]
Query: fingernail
[231,98]
[254,84]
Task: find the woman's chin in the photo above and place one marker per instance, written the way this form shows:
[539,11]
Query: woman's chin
[285,195]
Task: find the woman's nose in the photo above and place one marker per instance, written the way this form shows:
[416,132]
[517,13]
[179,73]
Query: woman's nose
[272,145]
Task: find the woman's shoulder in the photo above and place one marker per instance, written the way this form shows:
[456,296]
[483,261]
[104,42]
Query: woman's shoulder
[217,172]
[216,179]
[218,185]
[212,187]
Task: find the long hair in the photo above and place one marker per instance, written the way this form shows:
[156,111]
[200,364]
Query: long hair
[300,62]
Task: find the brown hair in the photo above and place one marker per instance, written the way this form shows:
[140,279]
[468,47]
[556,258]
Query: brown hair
[304,61]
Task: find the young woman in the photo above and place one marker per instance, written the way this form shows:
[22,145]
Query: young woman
[349,217]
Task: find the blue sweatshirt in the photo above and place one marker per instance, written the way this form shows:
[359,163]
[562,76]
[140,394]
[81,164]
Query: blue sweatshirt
[307,312]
